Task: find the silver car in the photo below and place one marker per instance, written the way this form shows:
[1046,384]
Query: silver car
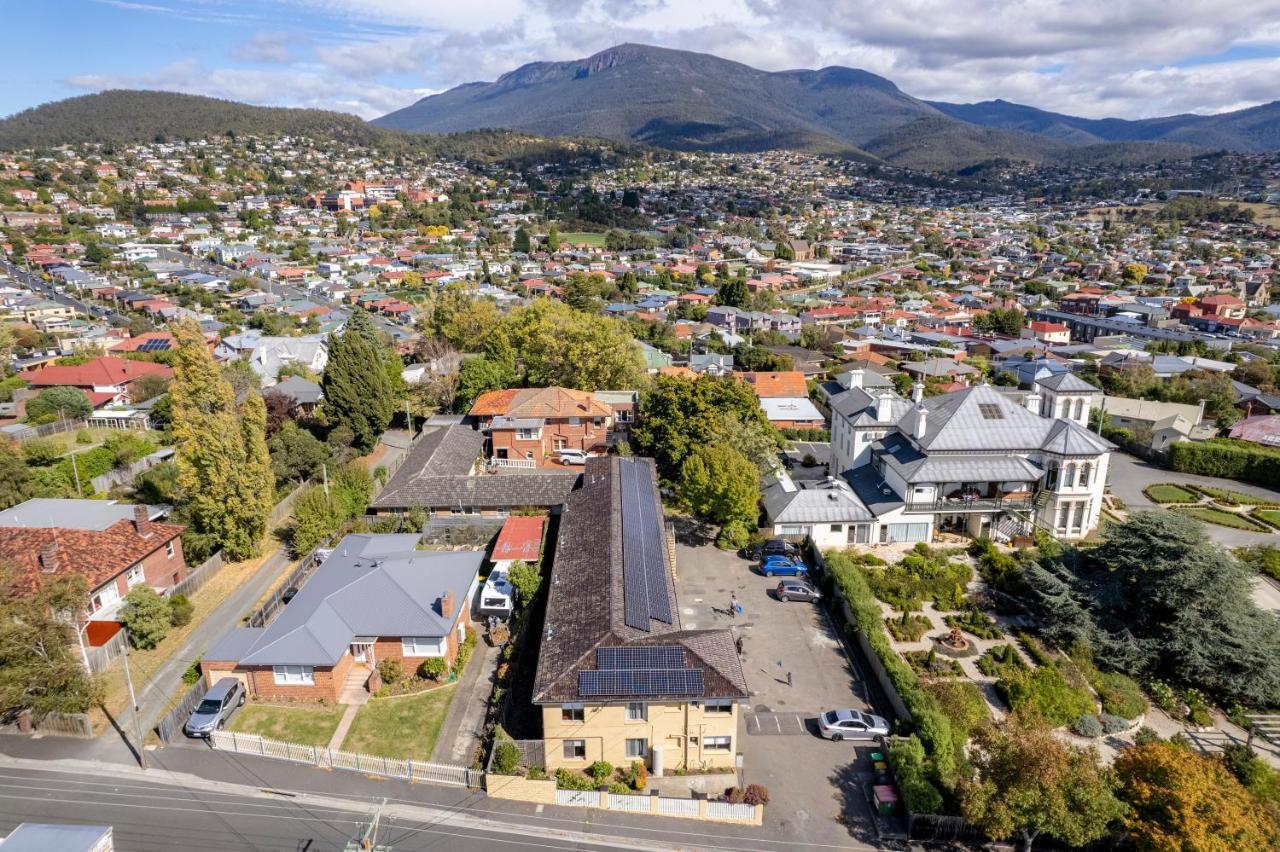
[215,708]
[837,725]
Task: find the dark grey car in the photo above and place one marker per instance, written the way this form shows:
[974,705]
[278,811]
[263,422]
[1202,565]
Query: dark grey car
[214,709]
[796,590]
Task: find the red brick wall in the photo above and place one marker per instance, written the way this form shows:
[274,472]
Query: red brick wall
[158,569]
[585,436]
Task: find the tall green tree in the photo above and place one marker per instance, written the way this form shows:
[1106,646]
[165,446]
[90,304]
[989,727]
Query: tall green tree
[677,415]
[224,471]
[521,242]
[722,484]
[555,345]
[1030,783]
[357,392]
[734,293]
[40,667]
[58,403]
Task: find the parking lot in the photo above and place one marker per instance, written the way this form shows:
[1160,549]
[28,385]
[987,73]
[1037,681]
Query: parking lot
[814,784]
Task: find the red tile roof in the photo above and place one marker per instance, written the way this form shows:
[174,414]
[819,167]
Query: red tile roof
[788,384]
[97,555]
[107,370]
[521,538]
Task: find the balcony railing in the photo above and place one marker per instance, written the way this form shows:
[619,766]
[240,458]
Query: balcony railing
[971,504]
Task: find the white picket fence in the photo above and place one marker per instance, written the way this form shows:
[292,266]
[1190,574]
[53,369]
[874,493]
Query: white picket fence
[580,798]
[678,807]
[635,804]
[326,758]
[726,810]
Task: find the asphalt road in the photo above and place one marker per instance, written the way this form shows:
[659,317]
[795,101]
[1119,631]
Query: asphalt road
[163,818]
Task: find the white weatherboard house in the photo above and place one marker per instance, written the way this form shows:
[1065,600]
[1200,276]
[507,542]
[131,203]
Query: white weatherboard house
[979,460]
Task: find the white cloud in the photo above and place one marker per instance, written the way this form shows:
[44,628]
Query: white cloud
[1105,57]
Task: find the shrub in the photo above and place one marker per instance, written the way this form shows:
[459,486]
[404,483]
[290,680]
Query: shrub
[1227,458]
[1120,694]
[567,779]
[908,628]
[619,788]
[465,650]
[600,770]
[390,670]
[434,668]
[977,623]
[920,576]
[755,794]
[734,796]
[638,776]
[41,451]
[536,773]
[84,436]
[191,675]
[1046,691]
[526,579]
[1165,697]
[1087,726]
[962,702]
[733,536]
[180,610]
[1197,708]
[918,793]
[998,658]
[146,616]
[1113,724]
[506,758]
[1145,736]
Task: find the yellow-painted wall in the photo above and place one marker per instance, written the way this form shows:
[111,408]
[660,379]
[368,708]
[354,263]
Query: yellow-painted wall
[606,728]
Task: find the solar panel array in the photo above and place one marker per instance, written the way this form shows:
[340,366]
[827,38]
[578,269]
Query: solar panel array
[159,344]
[641,657]
[644,589]
[651,682]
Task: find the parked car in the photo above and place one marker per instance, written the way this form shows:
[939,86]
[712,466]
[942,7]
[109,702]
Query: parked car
[796,590]
[213,710]
[781,566]
[573,456]
[771,547]
[837,725]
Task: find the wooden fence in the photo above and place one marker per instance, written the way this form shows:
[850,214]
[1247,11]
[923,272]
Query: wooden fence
[326,758]
[169,728]
[97,658]
[263,615]
[194,581]
[65,725]
[106,481]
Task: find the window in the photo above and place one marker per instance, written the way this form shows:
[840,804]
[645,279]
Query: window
[575,749]
[572,713]
[837,528]
[422,646]
[134,575]
[1079,521]
[1064,516]
[637,748]
[574,421]
[526,434]
[559,443]
[636,711]
[718,705]
[294,675]
[169,550]
[717,743]
[1086,470]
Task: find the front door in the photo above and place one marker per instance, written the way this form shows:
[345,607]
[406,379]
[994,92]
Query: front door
[362,652]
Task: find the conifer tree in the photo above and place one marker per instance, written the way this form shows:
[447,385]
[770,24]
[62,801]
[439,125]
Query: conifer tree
[357,390]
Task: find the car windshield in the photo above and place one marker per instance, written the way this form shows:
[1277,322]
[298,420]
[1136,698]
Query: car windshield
[209,705]
[831,717]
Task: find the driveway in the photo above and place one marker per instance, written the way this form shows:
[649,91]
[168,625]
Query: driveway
[1129,476]
[814,785]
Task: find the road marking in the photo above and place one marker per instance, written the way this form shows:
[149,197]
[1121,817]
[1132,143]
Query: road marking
[770,724]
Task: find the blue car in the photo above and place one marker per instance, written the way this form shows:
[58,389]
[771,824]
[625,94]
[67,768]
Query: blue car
[782,566]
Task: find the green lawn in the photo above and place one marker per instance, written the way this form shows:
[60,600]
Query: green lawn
[1222,518]
[1170,493]
[1226,495]
[302,724]
[1271,516]
[406,726]
[583,237]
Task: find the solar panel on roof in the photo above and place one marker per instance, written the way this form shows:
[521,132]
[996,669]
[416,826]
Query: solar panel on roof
[990,411]
[635,582]
[642,548]
[627,682]
[641,657]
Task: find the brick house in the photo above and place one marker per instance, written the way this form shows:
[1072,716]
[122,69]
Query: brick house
[104,380]
[374,598]
[114,546]
[533,424]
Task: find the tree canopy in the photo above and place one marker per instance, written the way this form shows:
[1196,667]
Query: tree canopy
[1159,599]
[58,403]
[40,669]
[679,414]
[357,390]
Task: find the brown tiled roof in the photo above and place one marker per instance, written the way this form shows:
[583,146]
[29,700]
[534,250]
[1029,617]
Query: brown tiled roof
[97,555]
[539,402]
[107,370]
[788,384]
[585,605]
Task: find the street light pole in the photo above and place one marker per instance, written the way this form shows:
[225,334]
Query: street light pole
[133,700]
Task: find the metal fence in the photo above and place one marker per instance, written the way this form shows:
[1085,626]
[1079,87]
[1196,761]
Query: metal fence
[65,725]
[110,479]
[44,431]
[194,581]
[170,726]
[326,758]
[263,615]
[97,658]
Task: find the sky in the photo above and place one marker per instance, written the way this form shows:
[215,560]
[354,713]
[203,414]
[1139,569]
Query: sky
[1094,58]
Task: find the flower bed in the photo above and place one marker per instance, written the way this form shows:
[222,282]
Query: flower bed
[908,628]
[931,664]
[976,623]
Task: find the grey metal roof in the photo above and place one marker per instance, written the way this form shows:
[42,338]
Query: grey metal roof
[818,501]
[42,837]
[1071,439]
[874,493]
[518,423]
[371,585]
[1067,383]
[977,418]
[69,513]
[303,390]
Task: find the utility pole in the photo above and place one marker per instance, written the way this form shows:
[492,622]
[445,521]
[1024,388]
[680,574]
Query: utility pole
[133,699]
[368,841]
[324,472]
[75,471]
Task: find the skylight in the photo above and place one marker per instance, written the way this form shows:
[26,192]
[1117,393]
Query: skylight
[990,411]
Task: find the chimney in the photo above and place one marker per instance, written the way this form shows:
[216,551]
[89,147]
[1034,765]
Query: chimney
[855,378]
[922,421]
[446,605]
[1200,416]
[142,520]
[883,407]
[1033,402]
[917,391]
[49,558]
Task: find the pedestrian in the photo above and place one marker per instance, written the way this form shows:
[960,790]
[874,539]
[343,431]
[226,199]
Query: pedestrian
[733,605]
[788,678]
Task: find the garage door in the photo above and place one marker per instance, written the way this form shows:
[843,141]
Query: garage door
[907,532]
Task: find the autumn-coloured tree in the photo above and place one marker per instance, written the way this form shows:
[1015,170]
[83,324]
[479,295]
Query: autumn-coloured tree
[1029,783]
[1181,800]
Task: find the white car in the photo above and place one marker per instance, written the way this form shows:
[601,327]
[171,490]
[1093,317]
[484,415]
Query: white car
[497,597]
[573,456]
[837,725]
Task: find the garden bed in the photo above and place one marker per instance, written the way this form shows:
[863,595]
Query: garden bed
[908,629]
[1228,497]
[1267,516]
[923,574]
[931,664]
[1222,518]
[976,623]
[1167,492]
[996,661]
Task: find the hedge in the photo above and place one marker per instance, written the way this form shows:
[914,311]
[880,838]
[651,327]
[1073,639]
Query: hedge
[1227,458]
[932,722]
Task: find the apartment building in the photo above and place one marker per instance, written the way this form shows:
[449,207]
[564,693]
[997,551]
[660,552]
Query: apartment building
[528,427]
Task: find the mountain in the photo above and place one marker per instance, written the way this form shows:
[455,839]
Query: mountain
[1253,129]
[674,99]
[140,116]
